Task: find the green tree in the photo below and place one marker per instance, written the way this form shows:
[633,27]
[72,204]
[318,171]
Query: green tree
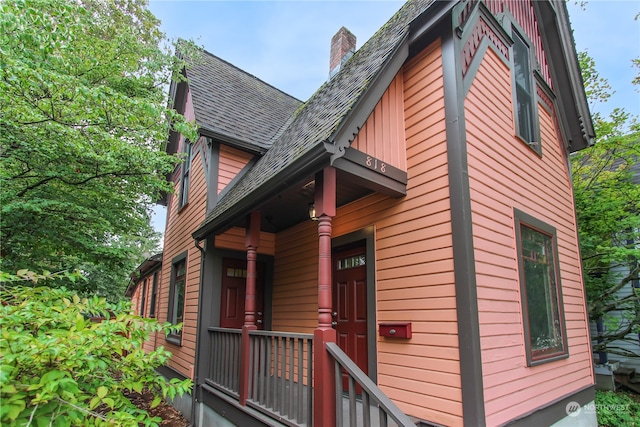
[66,360]
[83,121]
[606,180]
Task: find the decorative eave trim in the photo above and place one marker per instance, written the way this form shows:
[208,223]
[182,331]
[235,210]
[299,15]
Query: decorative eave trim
[573,109]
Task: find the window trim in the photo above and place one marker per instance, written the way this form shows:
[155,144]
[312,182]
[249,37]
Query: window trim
[523,219]
[183,197]
[153,300]
[536,140]
[143,296]
[175,337]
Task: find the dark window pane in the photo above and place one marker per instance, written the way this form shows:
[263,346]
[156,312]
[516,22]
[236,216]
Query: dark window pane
[524,91]
[545,330]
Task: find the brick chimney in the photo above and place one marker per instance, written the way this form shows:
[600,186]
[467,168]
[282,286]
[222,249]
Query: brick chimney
[343,45]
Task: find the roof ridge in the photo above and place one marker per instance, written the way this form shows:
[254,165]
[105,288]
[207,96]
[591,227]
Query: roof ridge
[249,74]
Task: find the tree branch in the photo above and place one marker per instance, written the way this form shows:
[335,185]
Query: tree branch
[76,183]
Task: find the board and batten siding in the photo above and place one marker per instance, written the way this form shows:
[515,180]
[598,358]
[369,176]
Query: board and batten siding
[504,173]
[382,135]
[414,259]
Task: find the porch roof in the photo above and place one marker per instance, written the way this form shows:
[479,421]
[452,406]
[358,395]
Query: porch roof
[307,144]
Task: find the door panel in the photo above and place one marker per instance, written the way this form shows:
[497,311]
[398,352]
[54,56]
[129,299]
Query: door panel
[234,279]
[350,305]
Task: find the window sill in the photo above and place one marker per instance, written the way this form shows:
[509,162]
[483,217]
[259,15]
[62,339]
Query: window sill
[551,358]
[533,146]
[174,339]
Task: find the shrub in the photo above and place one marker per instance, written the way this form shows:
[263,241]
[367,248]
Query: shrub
[70,361]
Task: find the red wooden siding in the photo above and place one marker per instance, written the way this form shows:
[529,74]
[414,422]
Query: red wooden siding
[234,239]
[414,260]
[232,161]
[136,300]
[382,136]
[505,174]
[180,225]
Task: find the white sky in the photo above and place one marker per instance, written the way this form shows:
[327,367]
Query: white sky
[286,43]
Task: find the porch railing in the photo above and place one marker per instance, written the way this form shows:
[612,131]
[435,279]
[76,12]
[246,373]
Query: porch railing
[280,376]
[224,368]
[361,411]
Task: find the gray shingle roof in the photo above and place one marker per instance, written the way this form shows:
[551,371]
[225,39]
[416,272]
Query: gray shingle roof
[320,117]
[230,102]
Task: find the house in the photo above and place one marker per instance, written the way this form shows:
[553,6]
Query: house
[143,290]
[402,246]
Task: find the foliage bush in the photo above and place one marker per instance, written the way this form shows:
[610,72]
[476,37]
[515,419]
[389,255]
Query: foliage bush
[617,409]
[71,361]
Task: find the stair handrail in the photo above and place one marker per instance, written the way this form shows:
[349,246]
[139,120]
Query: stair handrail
[368,386]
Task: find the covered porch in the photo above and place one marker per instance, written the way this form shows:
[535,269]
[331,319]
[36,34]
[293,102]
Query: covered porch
[287,377]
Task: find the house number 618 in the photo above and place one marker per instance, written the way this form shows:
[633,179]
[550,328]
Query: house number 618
[372,162]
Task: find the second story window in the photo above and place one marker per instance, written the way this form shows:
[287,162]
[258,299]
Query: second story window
[154,291]
[186,167]
[143,300]
[525,114]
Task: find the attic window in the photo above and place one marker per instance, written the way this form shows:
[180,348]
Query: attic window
[524,97]
[184,182]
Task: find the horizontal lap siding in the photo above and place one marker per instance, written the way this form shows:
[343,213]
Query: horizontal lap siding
[414,259]
[295,290]
[231,162]
[178,240]
[235,239]
[505,174]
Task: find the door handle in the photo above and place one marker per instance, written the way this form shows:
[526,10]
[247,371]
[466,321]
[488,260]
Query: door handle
[259,322]
[334,314]
[334,324]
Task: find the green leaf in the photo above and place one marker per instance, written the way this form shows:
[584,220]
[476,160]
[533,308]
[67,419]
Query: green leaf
[94,402]
[102,391]
[80,323]
[156,401]
[109,402]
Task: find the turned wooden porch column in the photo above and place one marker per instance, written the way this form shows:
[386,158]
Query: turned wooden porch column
[324,407]
[251,242]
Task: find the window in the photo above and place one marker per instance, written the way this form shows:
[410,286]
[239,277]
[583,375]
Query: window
[176,295]
[143,298]
[525,113]
[154,292]
[186,167]
[544,329]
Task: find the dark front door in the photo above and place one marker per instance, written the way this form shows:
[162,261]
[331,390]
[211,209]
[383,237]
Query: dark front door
[350,304]
[234,279]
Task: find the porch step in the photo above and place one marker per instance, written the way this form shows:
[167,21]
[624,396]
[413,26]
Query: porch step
[627,377]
